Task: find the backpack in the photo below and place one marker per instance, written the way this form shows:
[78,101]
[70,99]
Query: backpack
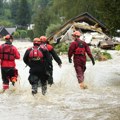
[80,50]
[6,52]
[35,54]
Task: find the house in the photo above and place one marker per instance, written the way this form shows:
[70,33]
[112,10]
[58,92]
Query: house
[3,31]
[92,30]
[11,30]
[31,27]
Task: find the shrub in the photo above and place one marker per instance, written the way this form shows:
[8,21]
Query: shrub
[107,55]
[117,47]
[61,48]
[100,55]
[23,33]
[16,34]
[6,23]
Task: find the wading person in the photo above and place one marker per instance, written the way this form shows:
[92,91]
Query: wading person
[38,59]
[53,55]
[8,54]
[78,50]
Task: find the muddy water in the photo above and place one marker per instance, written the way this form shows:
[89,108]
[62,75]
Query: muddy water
[65,100]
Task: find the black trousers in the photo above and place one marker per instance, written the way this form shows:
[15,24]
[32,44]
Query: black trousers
[7,74]
[35,78]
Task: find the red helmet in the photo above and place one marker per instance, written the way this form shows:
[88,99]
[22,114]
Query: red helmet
[43,39]
[36,41]
[8,37]
[76,33]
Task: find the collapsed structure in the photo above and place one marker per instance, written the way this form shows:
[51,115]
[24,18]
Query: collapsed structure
[93,32]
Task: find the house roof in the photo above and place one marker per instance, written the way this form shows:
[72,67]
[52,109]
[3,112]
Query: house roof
[11,30]
[1,27]
[3,31]
[85,17]
[88,18]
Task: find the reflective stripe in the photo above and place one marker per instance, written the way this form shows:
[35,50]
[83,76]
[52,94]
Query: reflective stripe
[5,86]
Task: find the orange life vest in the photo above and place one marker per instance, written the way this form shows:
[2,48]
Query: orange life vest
[7,53]
[35,54]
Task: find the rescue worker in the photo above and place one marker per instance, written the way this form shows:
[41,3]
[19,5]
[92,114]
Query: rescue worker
[8,54]
[37,58]
[78,50]
[54,56]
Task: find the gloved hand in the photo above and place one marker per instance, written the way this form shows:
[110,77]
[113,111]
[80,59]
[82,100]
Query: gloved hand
[60,65]
[93,62]
[70,60]
[50,81]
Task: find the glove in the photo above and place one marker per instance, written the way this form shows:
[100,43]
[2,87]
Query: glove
[70,60]
[93,62]
[60,65]
[50,81]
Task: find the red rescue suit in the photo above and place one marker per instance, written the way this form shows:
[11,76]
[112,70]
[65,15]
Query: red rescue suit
[8,57]
[8,54]
[56,58]
[78,50]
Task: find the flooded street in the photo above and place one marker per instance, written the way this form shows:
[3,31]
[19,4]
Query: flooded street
[65,100]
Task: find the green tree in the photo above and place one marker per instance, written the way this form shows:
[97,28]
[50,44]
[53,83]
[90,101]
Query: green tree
[41,18]
[41,22]
[104,10]
[1,7]
[66,9]
[110,11]
[23,14]
[6,23]
[14,9]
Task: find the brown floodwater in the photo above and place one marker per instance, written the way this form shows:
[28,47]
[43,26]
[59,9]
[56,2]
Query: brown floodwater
[65,100]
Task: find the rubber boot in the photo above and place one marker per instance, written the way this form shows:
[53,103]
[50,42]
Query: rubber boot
[5,87]
[44,89]
[39,83]
[13,80]
[34,89]
[83,86]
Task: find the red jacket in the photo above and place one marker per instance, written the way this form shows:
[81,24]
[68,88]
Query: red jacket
[49,47]
[53,53]
[9,63]
[79,59]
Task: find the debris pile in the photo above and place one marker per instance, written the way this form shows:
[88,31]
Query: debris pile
[92,32]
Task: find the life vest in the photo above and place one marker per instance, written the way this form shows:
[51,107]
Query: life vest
[7,52]
[80,50]
[35,54]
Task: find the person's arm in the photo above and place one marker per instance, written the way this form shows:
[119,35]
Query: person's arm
[71,51]
[88,51]
[47,57]
[26,57]
[16,54]
[54,54]
[56,57]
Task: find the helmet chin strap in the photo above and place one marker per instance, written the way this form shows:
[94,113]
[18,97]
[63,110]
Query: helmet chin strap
[8,42]
[36,44]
